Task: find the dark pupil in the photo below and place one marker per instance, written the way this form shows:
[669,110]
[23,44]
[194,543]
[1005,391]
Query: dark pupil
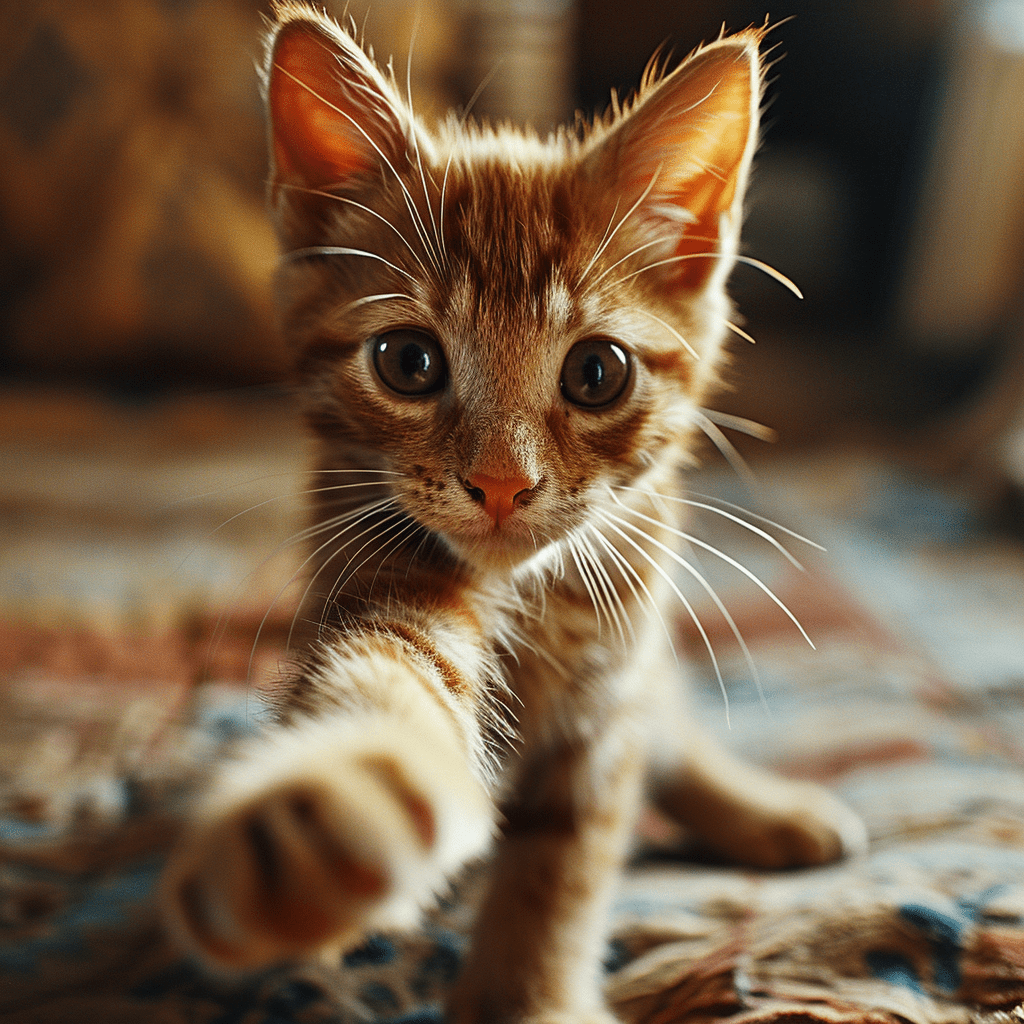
[593,371]
[414,360]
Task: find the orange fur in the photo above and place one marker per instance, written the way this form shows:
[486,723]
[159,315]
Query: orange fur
[502,344]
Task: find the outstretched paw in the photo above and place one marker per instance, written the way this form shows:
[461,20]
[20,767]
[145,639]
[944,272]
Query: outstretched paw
[317,835]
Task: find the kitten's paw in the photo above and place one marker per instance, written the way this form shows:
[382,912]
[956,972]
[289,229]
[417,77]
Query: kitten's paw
[771,822]
[756,817]
[795,824]
[316,836]
[597,1015]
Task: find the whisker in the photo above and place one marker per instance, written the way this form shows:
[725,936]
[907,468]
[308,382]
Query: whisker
[620,604]
[339,580]
[694,618]
[249,481]
[697,542]
[668,327]
[341,250]
[415,136]
[608,237]
[301,536]
[736,329]
[781,548]
[358,515]
[722,609]
[601,245]
[739,258]
[440,205]
[711,506]
[366,209]
[749,427]
[629,255]
[612,597]
[486,81]
[409,202]
[410,528]
[383,296]
[587,582]
[728,450]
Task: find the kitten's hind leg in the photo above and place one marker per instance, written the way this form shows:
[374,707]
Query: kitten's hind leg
[319,832]
[751,815]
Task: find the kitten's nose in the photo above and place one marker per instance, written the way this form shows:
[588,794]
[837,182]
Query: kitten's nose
[498,495]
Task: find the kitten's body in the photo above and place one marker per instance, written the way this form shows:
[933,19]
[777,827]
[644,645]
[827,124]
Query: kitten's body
[501,345]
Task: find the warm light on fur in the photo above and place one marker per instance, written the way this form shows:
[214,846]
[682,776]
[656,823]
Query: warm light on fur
[502,344]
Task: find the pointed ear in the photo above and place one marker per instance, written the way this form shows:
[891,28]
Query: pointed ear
[334,118]
[688,142]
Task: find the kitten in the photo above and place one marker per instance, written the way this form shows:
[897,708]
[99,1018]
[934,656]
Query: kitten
[501,344]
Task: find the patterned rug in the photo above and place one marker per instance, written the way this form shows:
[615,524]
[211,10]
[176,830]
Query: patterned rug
[135,634]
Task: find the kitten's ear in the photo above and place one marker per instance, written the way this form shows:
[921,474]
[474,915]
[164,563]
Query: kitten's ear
[688,142]
[334,118]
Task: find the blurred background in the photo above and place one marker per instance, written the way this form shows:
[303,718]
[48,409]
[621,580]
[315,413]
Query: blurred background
[152,468]
[135,255]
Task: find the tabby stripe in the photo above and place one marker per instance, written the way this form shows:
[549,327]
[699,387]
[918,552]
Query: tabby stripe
[454,681]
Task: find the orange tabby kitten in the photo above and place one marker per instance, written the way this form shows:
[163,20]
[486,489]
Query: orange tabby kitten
[502,344]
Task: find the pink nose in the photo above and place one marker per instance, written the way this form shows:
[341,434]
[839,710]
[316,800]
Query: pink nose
[499,496]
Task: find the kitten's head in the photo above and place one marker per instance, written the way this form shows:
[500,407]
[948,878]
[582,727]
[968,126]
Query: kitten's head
[509,325]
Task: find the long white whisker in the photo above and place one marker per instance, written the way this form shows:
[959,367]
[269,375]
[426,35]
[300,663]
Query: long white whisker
[668,327]
[756,530]
[409,202]
[749,427]
[719,604]
[694,618]
[714,501]
[415,136]
[613,601]
[357,516]
[587,582]
[301,536]
[601,245]
[627,571]
[736,329]
[728,450]
[478,92]
[381,297]
[629,255]
[267,501]
[616,557]
[410,528]
[342,250]
[440,205]
[325,525]
[697,542]
[340,580]
[608,237]
[373,213]
[749,260]
[249,481]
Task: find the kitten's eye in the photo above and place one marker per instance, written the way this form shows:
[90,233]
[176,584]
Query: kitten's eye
[595,373]
[409,362]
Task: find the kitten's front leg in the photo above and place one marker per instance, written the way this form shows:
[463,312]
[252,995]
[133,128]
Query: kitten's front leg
[332,825]
[539,939]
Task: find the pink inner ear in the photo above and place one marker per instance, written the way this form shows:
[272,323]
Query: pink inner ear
[697,132]
[314,122]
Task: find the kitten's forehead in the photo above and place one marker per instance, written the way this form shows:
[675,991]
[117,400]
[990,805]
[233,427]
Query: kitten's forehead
[512,237]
